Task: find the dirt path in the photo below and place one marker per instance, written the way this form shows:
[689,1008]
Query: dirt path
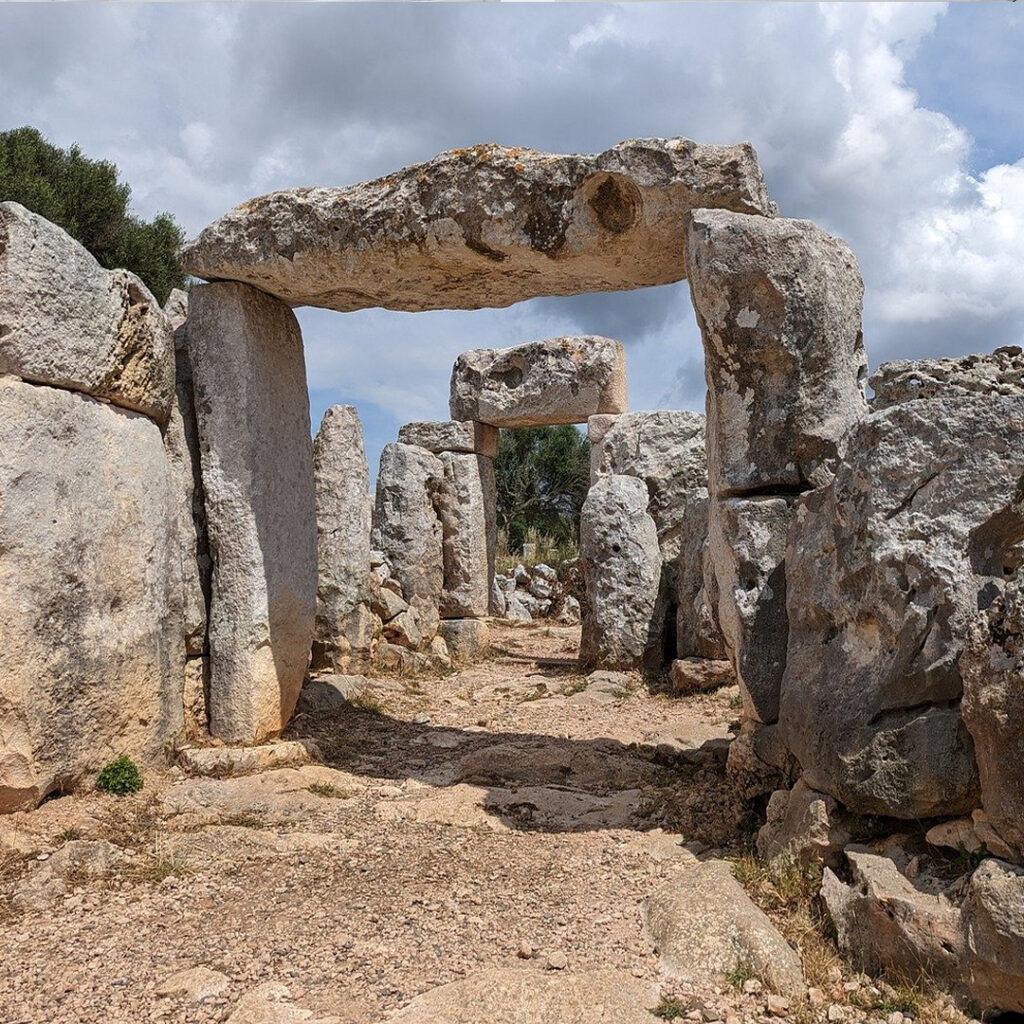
[504,816]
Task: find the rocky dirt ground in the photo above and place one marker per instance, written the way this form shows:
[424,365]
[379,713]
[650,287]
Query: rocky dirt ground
[498,828]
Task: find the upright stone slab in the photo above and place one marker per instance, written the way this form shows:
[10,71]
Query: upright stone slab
[621,565]
[886,571]
[407,528]
[466,506]
[666,449]
[779,307]
[257,456]
[560,380]
[67,322]
[484,226]
[91,647]
[344,623]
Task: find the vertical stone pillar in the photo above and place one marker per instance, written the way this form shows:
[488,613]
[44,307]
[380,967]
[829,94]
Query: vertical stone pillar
[779,307]
[344,623]
[252,409]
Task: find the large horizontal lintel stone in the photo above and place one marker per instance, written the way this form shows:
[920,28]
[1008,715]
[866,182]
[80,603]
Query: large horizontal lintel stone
[540,383]
[67,322]
[467,436]
[485,226]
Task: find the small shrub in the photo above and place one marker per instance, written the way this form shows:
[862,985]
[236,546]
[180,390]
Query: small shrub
[669,1009]
[121,777]
[739,975]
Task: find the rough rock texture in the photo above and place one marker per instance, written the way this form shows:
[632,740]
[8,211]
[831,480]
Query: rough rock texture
[704,926]
[511,996]
[558,380]
[621,565]
[992,668]
[666,450]
[695,675]
[779,308]
[67,322]
[887,922]
[468,640]
[465,503]
[257,461]
[902,380]
[452,436]
[886,571]
[747,547]
[407,528]
[91,648]
[223,762]
[803,825]
[484,226]
[993,926]
[344,625]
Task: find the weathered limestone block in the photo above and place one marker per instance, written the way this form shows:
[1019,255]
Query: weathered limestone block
[992,667]
[465,504]
[181,439]
[779,307]
[91,651]
[559,380]
[407,527]
[886,922]
[466,436]
[621,565]
[903,380]
[344,625]
[886,570]
[257,462]
[704,926]
[804,826]
[66,321]
[484,226]
[747,545]
[993,927]
[468,640]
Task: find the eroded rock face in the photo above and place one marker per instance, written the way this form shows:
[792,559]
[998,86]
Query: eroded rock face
[452,436]
[804,826]
[67,322]
[484,226]
[344,626]
[257,462]
[621,564]
[993,927]
[903,380]
[407,527]
[465,505]
[468,640]
[886,570]
[779,307]
[560,380]
[91,635]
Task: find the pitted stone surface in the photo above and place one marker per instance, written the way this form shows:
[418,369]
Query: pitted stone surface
[257,459]
[91,646]
[559,380]
[886,569]
[484,226]
[903,380]
[621,565]
[452,436]
[67,322]
[779,307]
[344,626]
[407,527]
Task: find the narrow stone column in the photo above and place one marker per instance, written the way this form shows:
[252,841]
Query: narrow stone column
[344,623]
[779,307]
[252,409]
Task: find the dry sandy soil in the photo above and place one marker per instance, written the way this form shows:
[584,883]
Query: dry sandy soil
[506,816]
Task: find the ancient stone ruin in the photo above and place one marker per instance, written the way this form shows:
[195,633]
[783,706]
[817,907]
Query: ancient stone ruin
[178,554]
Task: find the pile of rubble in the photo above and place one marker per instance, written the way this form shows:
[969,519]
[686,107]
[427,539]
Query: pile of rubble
[535,593]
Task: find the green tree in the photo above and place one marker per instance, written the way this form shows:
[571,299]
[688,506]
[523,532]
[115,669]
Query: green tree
[542,475]
[87,200]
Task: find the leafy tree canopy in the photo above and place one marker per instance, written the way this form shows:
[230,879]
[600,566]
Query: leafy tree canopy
[542,476]
[87,200]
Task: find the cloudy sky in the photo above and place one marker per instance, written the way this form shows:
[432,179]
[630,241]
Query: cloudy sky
[898,126]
